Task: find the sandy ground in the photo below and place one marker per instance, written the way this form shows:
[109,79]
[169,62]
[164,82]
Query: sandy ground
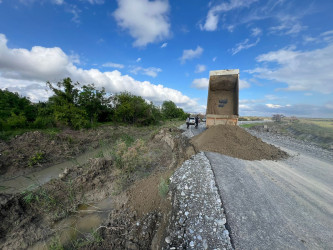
[285,204]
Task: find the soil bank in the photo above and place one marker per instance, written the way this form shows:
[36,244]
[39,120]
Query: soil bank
[236,142]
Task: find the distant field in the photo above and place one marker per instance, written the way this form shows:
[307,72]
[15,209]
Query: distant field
[325,123]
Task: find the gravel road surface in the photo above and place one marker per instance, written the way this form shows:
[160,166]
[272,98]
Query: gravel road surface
[286,204]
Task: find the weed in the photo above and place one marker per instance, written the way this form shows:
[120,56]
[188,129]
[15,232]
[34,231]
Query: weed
[56,244]
[163,187]
[37,158]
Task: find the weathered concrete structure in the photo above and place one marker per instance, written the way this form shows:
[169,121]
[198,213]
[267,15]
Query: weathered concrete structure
[223,97]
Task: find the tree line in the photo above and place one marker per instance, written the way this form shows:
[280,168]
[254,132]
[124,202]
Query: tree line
[79,107]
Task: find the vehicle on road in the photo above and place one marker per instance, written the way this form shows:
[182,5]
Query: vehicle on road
[192,121]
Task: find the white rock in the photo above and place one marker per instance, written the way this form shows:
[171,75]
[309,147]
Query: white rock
[192,244]
[167,240]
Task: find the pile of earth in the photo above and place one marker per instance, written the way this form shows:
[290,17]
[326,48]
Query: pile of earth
[236,142]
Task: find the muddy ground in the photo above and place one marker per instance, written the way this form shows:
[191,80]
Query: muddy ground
[36,150]
[139,208]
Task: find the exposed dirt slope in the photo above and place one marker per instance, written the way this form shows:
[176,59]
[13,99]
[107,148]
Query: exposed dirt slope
[236,142]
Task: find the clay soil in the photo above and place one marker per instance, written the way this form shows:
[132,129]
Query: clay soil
[236,142]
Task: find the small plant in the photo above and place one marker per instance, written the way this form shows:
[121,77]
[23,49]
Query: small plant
[36,159]
[163,187]
[56,244]
[100,154]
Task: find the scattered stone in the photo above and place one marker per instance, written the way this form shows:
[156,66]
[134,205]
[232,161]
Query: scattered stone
[167,240]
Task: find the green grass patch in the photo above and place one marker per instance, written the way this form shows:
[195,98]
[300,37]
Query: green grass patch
[250,125]
[163,187]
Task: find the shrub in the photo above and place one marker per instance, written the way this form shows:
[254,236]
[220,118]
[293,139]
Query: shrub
[17,121]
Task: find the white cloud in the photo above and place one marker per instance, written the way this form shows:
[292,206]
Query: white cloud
[151,71]
[256,32]
[213,14]
[28,70]
[287,28]
[75,11]
[214,59]
[96,1]
[243,84]
[200,83]
[58,2]
[190,54]
[200,68]
[273,106]
[147,21]
[113,65]
[300,70]
[138,59]
[244,45]
[164,45]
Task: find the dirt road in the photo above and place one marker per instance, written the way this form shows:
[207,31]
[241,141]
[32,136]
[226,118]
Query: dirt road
[285,204]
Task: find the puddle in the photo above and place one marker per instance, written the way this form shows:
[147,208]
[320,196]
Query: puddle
[20,183]
[80,225]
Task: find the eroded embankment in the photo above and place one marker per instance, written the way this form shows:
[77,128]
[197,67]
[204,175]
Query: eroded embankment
[29,219]
[236,142]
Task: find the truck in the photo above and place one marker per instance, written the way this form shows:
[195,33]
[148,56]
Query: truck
[223,97]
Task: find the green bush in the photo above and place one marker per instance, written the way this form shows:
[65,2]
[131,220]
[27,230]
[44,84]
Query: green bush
[44,122]
[17,121]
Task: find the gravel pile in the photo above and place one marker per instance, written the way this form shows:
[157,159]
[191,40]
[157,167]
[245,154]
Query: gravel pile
[198,219]
[236,142]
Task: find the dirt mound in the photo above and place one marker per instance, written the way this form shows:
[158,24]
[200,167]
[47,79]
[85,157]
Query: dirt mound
[236,142]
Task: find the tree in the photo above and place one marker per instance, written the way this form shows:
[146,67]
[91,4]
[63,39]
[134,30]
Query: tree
[95,103]
[65,104]
[170,111]
[133,109]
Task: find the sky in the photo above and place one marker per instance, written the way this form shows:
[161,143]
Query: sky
[164,50]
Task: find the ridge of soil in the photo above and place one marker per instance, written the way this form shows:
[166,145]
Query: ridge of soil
[236,142]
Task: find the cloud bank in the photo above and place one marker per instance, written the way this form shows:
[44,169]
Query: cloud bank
[301,70]
[26,72]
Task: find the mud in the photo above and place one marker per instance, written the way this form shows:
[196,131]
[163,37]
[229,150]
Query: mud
[16,154]
[236,142]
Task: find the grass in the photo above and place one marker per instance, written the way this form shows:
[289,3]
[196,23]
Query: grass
[8,134]
[163,187]
[325,123]
[250,125]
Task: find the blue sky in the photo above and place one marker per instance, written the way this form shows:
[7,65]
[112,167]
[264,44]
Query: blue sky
[164,50]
